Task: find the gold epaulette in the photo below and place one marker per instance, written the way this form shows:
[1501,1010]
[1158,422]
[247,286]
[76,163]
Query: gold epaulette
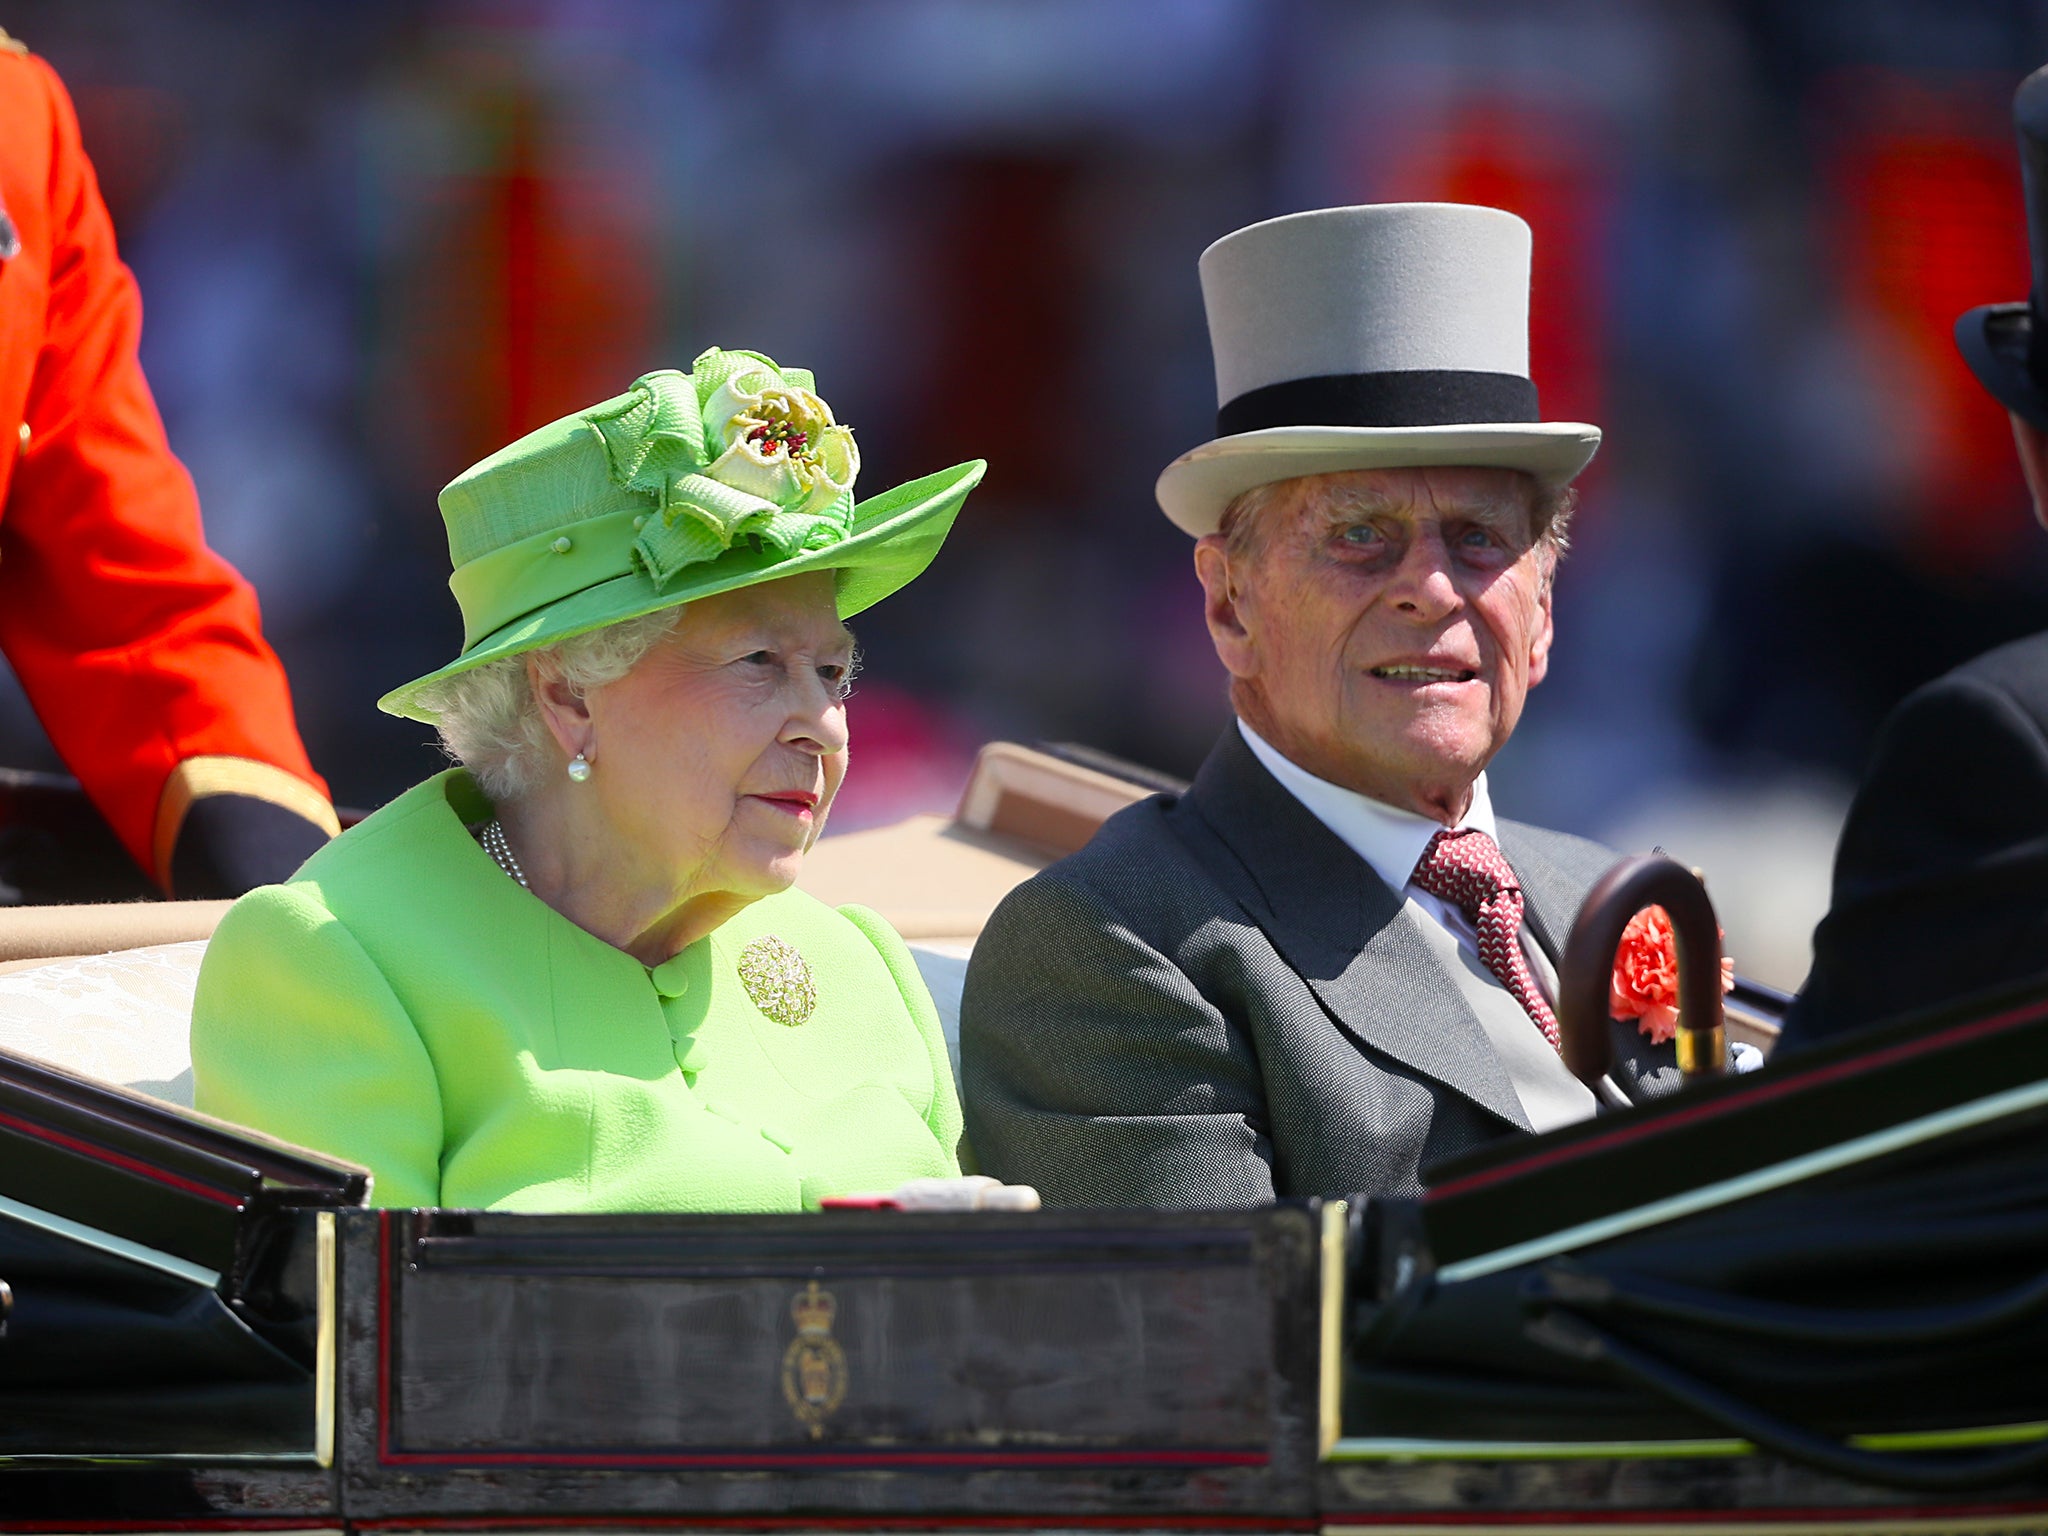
[11,44]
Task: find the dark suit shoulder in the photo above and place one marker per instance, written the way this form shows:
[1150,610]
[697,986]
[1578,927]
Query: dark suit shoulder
[1138,867]
[1957,767]
[1140,831]
[2018,672]
[1095,1063]
[1944,853]
[2010,685]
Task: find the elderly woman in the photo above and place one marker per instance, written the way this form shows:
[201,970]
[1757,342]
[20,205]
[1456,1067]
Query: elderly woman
[573,974]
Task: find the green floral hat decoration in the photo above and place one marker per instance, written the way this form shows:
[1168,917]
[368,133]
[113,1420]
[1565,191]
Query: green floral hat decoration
[687,485]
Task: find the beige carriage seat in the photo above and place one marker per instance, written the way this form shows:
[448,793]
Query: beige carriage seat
[106,990]
[122,1018]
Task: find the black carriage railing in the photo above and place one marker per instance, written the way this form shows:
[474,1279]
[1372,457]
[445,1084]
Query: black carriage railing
[1837,1259]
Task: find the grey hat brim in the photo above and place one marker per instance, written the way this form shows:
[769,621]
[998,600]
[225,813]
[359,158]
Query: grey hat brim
[1195,488]
[1994,339]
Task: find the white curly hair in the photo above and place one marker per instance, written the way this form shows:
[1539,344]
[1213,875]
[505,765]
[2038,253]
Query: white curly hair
[490,721]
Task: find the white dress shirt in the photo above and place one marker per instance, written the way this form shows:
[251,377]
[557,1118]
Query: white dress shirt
[1393,841]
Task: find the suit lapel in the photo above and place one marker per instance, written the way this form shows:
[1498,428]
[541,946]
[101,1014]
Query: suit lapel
[1551,897]
[1342,929]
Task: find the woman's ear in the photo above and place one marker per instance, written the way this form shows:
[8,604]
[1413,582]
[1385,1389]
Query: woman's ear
[563,708]
[1542,633]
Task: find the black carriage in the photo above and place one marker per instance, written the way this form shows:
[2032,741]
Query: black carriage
[1811,1298]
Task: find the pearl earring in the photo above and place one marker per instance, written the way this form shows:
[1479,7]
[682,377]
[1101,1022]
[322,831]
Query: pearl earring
[579,768]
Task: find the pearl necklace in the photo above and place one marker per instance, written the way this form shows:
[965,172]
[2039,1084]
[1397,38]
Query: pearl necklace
[493,839]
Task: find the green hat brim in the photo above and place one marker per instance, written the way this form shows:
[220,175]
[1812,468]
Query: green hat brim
[894,537]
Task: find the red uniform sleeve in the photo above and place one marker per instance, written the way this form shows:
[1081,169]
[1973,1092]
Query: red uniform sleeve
[138,646]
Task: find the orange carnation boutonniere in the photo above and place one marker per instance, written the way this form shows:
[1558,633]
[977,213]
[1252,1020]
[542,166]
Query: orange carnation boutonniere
[1645,984]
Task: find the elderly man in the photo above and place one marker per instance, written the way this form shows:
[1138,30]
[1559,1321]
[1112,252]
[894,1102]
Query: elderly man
[1327,964]
[1941,878]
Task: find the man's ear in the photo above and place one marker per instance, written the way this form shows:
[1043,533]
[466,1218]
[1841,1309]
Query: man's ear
[563,709]
[1223,607]
[2032,444]
[1542,635]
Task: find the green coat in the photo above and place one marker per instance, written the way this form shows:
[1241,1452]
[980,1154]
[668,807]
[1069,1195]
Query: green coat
[402,1003]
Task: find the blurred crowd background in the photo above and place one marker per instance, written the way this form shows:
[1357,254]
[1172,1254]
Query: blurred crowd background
[377,240]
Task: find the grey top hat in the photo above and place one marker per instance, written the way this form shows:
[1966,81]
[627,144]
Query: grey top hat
[2006,345]
[1382,337]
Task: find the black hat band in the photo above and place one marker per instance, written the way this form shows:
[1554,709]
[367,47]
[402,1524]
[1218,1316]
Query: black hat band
[1406,397]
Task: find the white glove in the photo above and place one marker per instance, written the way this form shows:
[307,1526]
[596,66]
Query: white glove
[973,1192]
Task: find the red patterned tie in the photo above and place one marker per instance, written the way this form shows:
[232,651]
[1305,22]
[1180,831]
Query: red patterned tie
[1465,868]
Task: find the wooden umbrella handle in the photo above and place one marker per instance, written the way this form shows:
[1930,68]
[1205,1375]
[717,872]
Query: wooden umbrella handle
[1584,978]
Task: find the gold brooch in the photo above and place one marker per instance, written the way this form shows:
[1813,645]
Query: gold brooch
[778,979]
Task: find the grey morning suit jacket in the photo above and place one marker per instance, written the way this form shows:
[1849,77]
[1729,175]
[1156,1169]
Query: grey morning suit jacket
[1217,1002]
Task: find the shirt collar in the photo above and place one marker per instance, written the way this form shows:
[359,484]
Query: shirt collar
[1388,838]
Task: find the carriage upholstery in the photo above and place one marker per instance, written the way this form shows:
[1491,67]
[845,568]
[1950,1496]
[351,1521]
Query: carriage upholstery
[123,1017]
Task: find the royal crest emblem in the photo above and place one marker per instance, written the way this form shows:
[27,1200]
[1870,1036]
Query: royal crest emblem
[814,1366]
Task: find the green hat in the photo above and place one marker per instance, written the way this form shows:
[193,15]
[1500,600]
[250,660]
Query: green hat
[687,485]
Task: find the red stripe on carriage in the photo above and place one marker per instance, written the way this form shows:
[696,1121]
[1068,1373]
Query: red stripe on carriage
[120,1160]
[326,1522]
[1904,1051]
[1152,1522]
